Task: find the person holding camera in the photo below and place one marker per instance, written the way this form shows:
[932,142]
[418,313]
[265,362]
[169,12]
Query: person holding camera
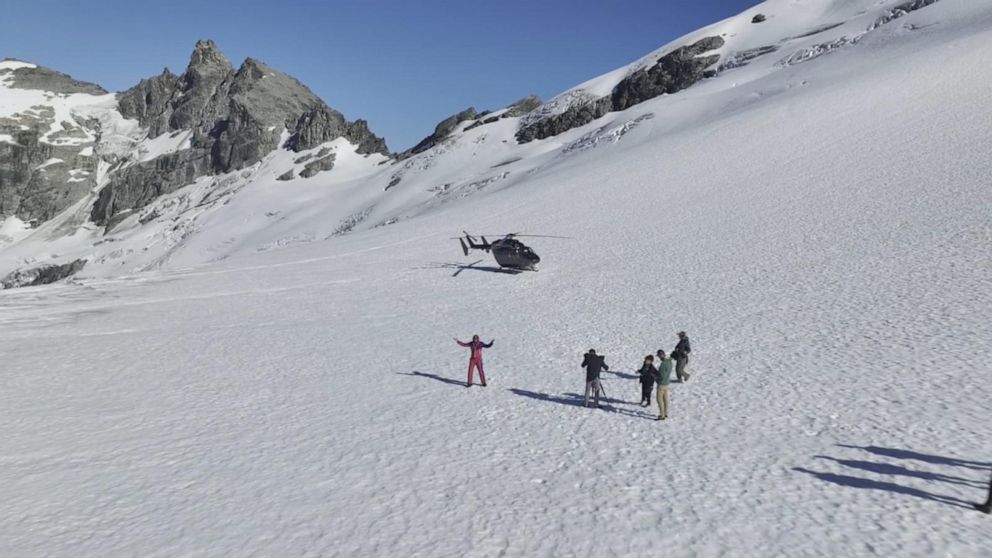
[594,364]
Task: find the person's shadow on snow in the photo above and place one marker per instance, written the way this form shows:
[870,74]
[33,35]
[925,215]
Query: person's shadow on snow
[897,470]
[901,471]
[441,379]
[856,482]
[572,399]
[916,456]
[610,404]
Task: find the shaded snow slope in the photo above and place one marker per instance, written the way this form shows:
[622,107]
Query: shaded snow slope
[823,237]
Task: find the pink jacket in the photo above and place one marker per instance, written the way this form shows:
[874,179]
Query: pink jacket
[477,347]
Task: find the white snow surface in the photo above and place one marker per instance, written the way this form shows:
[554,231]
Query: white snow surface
[11,64]
[164,144]
[267,367]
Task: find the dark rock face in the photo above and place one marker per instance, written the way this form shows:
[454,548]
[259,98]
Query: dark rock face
[446,126]
[673,72]
[236,117]
[316,126]
[50,80]
[38,193]
[522,106]
[441,131]
[758,18]
[516,109]
[149,102]
[573,117]
[42,275]
[40,174]
[38,180]
[358,133]
[202,96]
[138,185]
[323,163]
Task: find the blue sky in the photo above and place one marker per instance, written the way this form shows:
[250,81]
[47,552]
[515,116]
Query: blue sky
[401,65]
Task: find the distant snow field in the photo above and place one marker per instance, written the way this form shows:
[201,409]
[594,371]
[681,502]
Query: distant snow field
[256,366]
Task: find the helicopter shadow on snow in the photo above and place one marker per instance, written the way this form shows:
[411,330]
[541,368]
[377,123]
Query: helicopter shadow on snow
[472,267]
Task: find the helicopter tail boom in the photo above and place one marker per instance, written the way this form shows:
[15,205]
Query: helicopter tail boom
[469,243]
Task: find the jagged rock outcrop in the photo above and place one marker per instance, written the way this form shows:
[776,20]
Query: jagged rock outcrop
[39,180]
[522,106]
[324,162]
[441,132]
[359,134]
[516,109]
[45,165]
[236,116]
[573,117]
[138,185]
[671,73]
[446,127]
[149,102]
[42,275]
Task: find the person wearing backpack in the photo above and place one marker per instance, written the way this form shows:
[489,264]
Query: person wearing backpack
[663,378]
[681,356]
[647,374]
[475,360]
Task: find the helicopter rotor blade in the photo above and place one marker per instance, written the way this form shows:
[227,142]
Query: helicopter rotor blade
[542,236]
[513,235]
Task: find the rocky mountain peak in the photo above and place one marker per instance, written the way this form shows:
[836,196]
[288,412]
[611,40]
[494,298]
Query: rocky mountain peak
[237,118]
[207,67]
[254,68]
[206,54]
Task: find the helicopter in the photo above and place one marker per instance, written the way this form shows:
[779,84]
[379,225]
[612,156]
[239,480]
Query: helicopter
[509,252]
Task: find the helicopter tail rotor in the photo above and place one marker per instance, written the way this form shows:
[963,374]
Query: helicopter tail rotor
[464,248]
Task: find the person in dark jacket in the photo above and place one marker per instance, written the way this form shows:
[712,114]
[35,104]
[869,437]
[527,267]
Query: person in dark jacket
[663,378]
[475,360]
[647,374]
[594,364]
[681,356]
[987,506]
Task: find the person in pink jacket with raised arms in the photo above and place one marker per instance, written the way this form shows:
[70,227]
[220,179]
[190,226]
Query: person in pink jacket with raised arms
[475,361]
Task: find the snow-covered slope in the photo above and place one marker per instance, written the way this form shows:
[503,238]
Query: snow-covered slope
[194,225]
[820,229]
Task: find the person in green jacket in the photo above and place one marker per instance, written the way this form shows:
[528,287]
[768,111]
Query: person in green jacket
[663,378]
